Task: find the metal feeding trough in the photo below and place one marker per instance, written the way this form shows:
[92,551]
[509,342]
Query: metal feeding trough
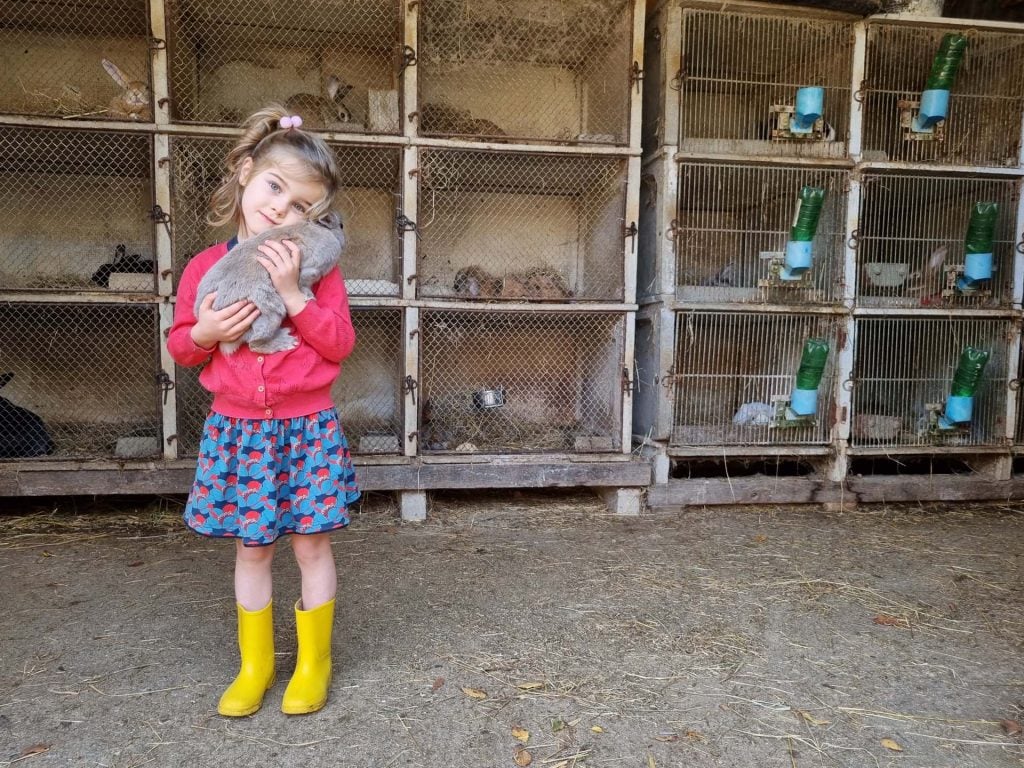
[487,399]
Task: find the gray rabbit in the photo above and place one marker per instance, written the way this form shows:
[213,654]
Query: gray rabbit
[239,276]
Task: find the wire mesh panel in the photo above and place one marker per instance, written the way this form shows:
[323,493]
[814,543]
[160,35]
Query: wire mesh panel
[983,120]
[745,78]
[368,202]
[75,59]
[734,227]
[734,376]
[517,382]
[903,374]
[76,210]
[84,384]
[332,61]
[526,70]
[912,235]
[368,392]
[512,227]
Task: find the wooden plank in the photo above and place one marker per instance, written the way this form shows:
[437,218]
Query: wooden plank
[805,490]
[20,480]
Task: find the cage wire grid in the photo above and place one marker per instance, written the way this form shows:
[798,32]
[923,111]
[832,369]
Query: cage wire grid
[983,126]
[728,367]
[520,382]
[52,54]
[903,364]
[76,211]
[89,373]
[367,393]
[503,226]
[368,202]
[526,70]
[736,67]
[335,62]
[733,219]
[912,229]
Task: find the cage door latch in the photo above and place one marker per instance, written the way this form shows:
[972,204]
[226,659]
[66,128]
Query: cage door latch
[165,382]
[409,387]
[627,382]
[408,57]
[405,224]
[636,75]
[630,232]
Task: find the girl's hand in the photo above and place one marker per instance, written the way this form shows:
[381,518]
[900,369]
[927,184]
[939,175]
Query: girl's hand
[227,324]
[283,260]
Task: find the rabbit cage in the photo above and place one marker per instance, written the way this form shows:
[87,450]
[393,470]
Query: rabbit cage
[489,157]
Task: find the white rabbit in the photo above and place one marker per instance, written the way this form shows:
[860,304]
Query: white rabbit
[239,276]
[133,103]
[322,112]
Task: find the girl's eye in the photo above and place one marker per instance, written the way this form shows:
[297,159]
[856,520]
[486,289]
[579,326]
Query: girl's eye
[300,207]
[275,187]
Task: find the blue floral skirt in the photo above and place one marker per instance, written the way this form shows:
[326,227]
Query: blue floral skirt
[258,479]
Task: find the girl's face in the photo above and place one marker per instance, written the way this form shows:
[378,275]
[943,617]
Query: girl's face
[277,194]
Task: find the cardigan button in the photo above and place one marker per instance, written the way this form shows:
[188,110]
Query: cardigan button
[269,412]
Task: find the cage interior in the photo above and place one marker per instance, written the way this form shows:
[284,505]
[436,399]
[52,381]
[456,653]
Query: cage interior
[510,227]
[84,384]
[901,366]
[526,69]
[912,231]
[367,201]
[733,226]
[76,211]
[51,59]
[229,58]
[520,382]
[737,67]
[728,370]
[983,126]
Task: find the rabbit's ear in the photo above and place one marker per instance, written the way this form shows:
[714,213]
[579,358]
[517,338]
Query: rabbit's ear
[331,219]
[115,73]
[336,89]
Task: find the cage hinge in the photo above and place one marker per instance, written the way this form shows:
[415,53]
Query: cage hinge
[171,439]
[408,57]
[166,383]
[627,382]
[636,75]
[409,386]
[405,224]
[157,44]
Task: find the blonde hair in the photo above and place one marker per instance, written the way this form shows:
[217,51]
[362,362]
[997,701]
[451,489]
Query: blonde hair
[264,141]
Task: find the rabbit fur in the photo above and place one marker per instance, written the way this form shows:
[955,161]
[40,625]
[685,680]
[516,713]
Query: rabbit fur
[238,276]
[322,112]
[133,103]
[22,433]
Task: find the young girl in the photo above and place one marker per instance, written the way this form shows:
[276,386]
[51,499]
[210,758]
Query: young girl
[273,458]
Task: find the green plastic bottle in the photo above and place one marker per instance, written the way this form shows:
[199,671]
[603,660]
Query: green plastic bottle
[981,229]
[947,62]
[812,364]
[968,371]
[807,215]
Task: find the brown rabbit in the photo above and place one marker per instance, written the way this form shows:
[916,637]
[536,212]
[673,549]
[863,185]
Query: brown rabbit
[133,103]
[322,112]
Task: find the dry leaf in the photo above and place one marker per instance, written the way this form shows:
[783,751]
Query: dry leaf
[35,749]
[886,620]
[523,757]
[650,762]
[760,538]
[521,733]
[892,745]
[557,725]
[667,736]
[1012,727]
[695,736]
[438,683]
[473,693]
[811,718]
[530,686]
[597,729]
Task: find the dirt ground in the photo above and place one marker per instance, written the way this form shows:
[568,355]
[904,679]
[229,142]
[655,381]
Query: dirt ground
[785,637]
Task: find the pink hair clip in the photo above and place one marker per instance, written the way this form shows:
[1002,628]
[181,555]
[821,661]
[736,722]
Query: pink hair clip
[291,121]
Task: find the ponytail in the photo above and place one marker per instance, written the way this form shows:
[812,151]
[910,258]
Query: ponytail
[262,135]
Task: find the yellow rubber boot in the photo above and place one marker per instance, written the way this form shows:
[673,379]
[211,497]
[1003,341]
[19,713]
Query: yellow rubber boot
[256,645]
[307,691]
